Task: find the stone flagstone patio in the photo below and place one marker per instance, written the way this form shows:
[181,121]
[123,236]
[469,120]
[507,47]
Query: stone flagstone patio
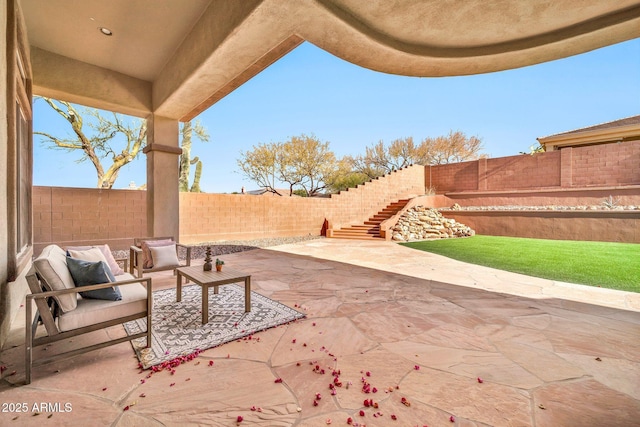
[412,325]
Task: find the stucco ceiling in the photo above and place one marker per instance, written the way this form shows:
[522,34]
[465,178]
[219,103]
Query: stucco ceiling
[189,54]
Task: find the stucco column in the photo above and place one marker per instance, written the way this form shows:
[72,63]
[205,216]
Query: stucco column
[482,174]
[163,199]
[566,167]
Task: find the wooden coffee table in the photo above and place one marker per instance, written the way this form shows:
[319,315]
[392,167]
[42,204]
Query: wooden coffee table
[207,279]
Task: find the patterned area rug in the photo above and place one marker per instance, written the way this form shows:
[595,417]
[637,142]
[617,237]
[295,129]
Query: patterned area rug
[178,329]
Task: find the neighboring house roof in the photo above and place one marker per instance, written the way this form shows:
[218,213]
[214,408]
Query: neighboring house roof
[626,129]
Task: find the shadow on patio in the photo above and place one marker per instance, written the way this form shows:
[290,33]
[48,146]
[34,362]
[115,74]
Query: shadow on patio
[543,361]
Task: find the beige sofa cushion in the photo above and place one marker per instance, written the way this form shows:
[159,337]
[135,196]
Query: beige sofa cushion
[92,311]
[51,265]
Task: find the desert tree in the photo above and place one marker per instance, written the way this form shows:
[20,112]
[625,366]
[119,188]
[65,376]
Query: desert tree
[94,138]
[302,163]
[380,159]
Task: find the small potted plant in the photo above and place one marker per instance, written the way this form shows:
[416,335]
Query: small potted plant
[219,264]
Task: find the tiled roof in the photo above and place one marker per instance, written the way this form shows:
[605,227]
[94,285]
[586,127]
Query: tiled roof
[633,120]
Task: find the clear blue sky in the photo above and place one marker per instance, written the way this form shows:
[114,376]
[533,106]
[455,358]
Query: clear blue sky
[311,91]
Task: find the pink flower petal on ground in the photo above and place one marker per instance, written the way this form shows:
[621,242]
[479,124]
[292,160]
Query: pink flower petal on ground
[318,396]
[452,419]
[349,420]
[104,389]
[142,395]
[210,362]
[126,408]
[239,419]
[253,408]
[394,417]
[278,380]
[172,384]
[361,413]
[293,341]
[328,421]
[313,324]
[366,403]
[368,373]
[416,367]
[480,380]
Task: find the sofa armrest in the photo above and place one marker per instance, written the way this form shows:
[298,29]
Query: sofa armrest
[135,261]
[125,263]
[188,249]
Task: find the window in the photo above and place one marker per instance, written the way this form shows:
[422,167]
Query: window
[20,242]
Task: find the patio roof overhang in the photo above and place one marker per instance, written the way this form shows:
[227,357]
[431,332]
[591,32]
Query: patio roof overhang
[175,58]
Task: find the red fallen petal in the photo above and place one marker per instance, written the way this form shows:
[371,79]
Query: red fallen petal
[304,345]
[293,341]
[278,380]
[368,374]
[328,421]
[416,367]
[366,403]
[298,364]
[480,380]
[210,362]
[318,396]
[313,324]
[375,390]
[104,389]
[393,417]
[452,419]
[239,419]
[315,403]
[333,392]
[172,384]
[142,381]
[349,420]
[126,408]
[142,395]
[361,413]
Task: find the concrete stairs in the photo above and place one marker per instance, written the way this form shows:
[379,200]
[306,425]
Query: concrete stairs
[371,227]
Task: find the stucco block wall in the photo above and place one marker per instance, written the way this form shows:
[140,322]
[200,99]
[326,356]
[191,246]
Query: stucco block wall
[593,166]
[358,204]
[453,177]
[75,216]
[210,217]
[611,164]
[602,226]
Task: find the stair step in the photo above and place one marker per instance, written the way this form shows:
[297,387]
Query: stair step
[371,228]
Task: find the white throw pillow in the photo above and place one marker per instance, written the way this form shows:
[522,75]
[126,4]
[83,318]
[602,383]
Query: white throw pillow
[93,255]
[164,256]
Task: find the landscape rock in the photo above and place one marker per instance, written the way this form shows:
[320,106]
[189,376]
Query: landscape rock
[421,223]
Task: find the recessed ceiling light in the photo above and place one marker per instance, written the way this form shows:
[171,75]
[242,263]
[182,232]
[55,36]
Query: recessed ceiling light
[105,31]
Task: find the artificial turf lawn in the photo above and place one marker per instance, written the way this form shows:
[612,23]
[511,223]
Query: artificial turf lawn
[605,264]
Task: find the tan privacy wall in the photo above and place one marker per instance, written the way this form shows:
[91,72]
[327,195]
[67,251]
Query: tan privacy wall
[77,216]
[570,177]
[209,217]
[599,165]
